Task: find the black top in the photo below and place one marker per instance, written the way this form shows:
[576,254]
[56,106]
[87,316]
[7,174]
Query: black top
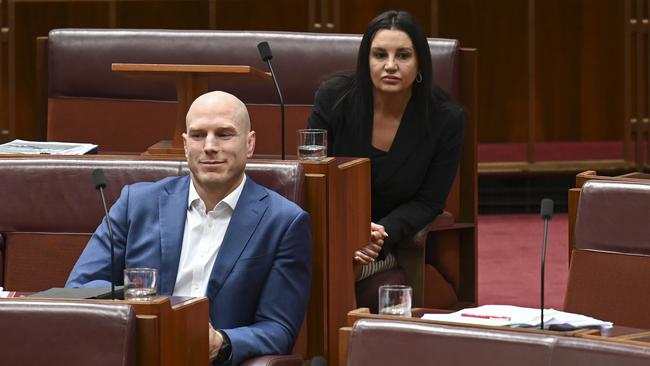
[410,181]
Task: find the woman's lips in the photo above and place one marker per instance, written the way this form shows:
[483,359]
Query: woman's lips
[390,78]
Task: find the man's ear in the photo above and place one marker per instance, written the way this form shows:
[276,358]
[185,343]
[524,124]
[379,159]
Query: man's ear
[184,135]
[250,142]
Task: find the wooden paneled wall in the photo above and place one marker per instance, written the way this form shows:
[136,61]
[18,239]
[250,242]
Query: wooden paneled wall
[637,79]
[549,70]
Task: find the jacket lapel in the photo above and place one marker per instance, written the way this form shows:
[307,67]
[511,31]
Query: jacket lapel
[245,219]
[172,206]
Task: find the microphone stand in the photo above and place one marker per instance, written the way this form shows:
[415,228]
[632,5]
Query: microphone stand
[265,52]
[275,81]
[100,184]
[541,326]
[546,211]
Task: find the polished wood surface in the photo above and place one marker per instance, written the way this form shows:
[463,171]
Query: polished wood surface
[178,69]
[338,200]
[577,96]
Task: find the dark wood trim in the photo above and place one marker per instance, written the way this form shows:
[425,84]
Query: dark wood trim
[532,74]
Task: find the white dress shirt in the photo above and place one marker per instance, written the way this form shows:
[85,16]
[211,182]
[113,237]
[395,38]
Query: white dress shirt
[202,239]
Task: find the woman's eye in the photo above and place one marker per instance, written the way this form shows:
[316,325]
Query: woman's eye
[379,55]
[404,56]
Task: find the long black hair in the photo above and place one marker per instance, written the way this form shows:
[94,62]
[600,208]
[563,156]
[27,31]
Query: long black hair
[359,93]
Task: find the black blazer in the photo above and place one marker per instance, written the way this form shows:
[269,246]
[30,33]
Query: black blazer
[411,181]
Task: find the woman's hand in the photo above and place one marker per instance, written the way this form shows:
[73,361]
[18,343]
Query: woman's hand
[377,235]
[369,252]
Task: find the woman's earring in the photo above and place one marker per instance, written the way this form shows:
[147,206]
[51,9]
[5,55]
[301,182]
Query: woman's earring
[418,78]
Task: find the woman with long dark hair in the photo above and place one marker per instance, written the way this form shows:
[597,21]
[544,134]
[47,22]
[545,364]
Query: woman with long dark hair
[390,111]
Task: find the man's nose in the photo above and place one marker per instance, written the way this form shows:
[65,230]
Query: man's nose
[211,143]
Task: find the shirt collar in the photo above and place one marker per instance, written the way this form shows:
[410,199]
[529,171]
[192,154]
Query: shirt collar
[231,199]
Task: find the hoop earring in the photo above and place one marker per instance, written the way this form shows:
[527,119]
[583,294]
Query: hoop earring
[418,78]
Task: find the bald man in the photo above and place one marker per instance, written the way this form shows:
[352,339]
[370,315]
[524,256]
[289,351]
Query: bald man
[217,234]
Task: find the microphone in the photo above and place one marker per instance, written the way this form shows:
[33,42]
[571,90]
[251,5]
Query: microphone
[100,184]
[546,211]
[265,52]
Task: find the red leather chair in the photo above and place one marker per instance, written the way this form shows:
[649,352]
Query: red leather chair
[67,333]
[610,263]
[388,342]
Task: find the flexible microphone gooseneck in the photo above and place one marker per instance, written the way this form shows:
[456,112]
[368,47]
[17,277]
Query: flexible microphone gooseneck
[100,184]
[265,52]
[546,211]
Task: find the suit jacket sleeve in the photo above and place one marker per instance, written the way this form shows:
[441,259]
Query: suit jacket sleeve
[93,268]
[284,298]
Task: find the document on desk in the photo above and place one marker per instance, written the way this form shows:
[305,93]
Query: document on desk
[5,294]
[46,147]
[517,316]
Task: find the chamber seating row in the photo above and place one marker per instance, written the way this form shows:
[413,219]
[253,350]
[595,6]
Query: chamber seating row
[50,207]
[87,102]
[391,342]
[84,101]
[49,210]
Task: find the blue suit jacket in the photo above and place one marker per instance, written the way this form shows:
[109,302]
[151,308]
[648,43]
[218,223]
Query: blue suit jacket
[259,286]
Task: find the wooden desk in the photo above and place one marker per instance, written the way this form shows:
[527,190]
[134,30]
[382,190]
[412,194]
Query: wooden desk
[627,335]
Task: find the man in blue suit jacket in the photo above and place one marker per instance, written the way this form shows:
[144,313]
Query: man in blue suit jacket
[217,234]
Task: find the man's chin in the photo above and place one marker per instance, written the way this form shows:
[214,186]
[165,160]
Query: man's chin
[211,178]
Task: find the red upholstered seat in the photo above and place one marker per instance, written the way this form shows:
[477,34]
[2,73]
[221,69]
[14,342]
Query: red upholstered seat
[610,264]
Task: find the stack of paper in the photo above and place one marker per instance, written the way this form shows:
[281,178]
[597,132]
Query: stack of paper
[516,316]
[42,147]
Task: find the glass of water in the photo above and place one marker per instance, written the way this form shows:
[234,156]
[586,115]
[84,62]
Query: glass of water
[140,284]
[395,300]
[312,144]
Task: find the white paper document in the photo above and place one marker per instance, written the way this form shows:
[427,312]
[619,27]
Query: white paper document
[46,147]
[516,316]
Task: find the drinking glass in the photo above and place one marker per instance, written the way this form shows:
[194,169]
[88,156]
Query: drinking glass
[312,144]
[395,300]
[140,284]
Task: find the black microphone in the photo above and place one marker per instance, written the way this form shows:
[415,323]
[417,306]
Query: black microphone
[546,211]
[100,184]
[265,52]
